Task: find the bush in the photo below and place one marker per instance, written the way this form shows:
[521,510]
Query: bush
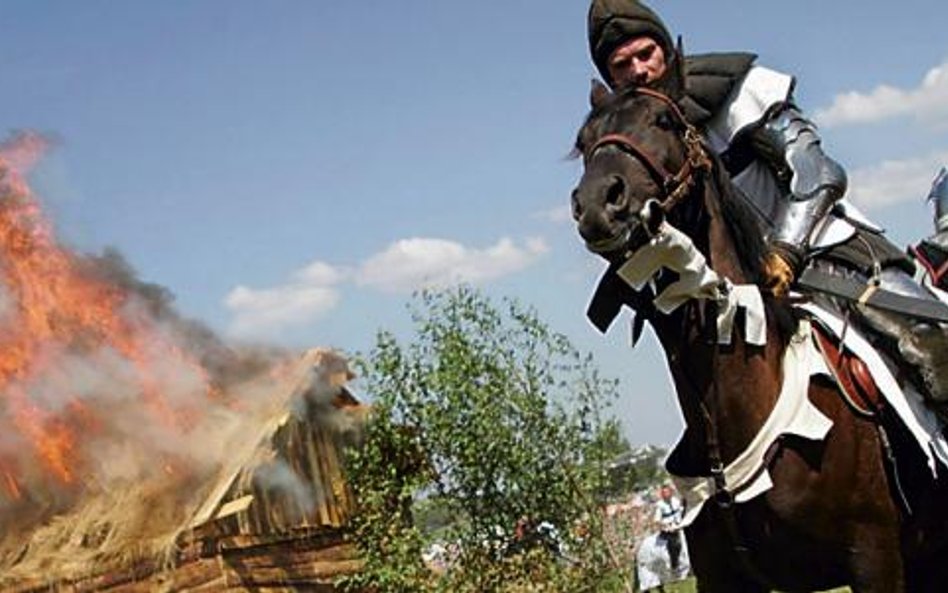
[493,421]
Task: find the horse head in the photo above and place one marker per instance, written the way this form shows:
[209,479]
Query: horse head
[641,158]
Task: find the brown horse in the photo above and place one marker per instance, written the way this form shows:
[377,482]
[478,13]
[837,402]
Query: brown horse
[840,511]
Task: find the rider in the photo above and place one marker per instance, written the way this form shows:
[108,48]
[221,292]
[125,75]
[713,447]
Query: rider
[774,154]
[932,253]
[939,195]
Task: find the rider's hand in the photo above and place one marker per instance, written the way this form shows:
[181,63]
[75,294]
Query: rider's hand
[779,272]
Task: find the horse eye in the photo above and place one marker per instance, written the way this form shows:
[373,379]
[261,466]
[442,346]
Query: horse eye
[664,121]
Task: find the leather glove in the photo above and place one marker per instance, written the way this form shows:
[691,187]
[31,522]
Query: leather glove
[781,267]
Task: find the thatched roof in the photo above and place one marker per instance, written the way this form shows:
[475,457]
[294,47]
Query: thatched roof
[279,476]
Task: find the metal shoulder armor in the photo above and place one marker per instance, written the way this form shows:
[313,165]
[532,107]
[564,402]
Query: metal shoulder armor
[813,180]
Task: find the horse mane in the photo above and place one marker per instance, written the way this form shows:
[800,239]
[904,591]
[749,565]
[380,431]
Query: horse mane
[747,232]
[741,220]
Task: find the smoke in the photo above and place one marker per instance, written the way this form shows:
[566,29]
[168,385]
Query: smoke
[279,478]
[22,150]
[153,304]
[105,386]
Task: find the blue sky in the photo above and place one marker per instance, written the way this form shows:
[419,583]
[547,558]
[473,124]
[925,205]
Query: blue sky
[291,170]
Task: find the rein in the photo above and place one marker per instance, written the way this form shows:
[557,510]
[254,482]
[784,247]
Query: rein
[675,186]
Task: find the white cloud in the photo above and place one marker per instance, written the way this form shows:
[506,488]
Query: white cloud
[892,182]
[557,215]
[320,274]
[264,312]
[418,262]
[314,290]
[928,102]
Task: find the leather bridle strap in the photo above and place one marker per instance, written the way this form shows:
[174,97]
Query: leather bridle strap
[665,180]
[676,186]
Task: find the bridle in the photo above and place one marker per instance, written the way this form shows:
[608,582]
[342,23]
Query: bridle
[674,186]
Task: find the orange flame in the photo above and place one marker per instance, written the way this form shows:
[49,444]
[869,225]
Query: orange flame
[50,303]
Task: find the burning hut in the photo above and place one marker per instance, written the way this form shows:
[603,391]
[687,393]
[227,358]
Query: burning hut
[138,452]
[272,515]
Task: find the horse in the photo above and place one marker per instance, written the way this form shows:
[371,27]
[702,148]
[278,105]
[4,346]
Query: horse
[841,510]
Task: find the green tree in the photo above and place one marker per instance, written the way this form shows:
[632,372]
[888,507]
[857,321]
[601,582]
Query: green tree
[499,419]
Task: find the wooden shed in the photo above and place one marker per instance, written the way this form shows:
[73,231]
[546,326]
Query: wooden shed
[271,514]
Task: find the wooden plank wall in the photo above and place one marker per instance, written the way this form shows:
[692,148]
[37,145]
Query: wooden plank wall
[315,455]
[308,564]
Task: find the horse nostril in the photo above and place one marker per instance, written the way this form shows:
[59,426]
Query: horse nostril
[576,206]
[615,195]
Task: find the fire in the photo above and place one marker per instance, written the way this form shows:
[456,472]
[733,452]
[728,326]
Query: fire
[54,306]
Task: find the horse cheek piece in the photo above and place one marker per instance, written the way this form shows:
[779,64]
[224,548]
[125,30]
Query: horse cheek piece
[652,216]
[830,516]
[603,215]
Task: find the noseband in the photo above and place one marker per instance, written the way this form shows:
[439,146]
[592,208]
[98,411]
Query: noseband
[675,187]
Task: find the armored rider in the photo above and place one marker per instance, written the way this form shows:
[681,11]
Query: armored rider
[932,253]
[939,195]
[774,154]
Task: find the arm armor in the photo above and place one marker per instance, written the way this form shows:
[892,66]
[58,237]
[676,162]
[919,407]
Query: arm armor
[813,181]
[939,195]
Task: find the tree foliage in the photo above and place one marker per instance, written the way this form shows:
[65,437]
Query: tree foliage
[500,420]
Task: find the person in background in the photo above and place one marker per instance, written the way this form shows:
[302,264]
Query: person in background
[669,513]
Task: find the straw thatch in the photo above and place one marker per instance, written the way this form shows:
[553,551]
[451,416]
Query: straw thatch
[268,514]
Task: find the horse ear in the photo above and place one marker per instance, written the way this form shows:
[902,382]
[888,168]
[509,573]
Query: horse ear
[598,94]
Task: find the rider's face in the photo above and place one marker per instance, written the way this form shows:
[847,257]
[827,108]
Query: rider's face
[638,62]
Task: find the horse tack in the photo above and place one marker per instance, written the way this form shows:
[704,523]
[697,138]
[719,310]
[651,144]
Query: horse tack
[859,390]
[857,387]
[677,186]
[881,547]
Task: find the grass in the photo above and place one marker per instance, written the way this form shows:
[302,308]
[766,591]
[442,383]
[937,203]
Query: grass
[688,586]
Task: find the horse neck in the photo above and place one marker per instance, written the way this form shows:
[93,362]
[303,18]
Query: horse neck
[738,383]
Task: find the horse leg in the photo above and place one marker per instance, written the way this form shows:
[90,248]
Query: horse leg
[927,575]
[877,567]
[716,573]
[710,554]
[729,584]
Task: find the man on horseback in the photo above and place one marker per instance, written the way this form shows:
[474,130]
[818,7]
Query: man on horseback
[932,253]
[774,155]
